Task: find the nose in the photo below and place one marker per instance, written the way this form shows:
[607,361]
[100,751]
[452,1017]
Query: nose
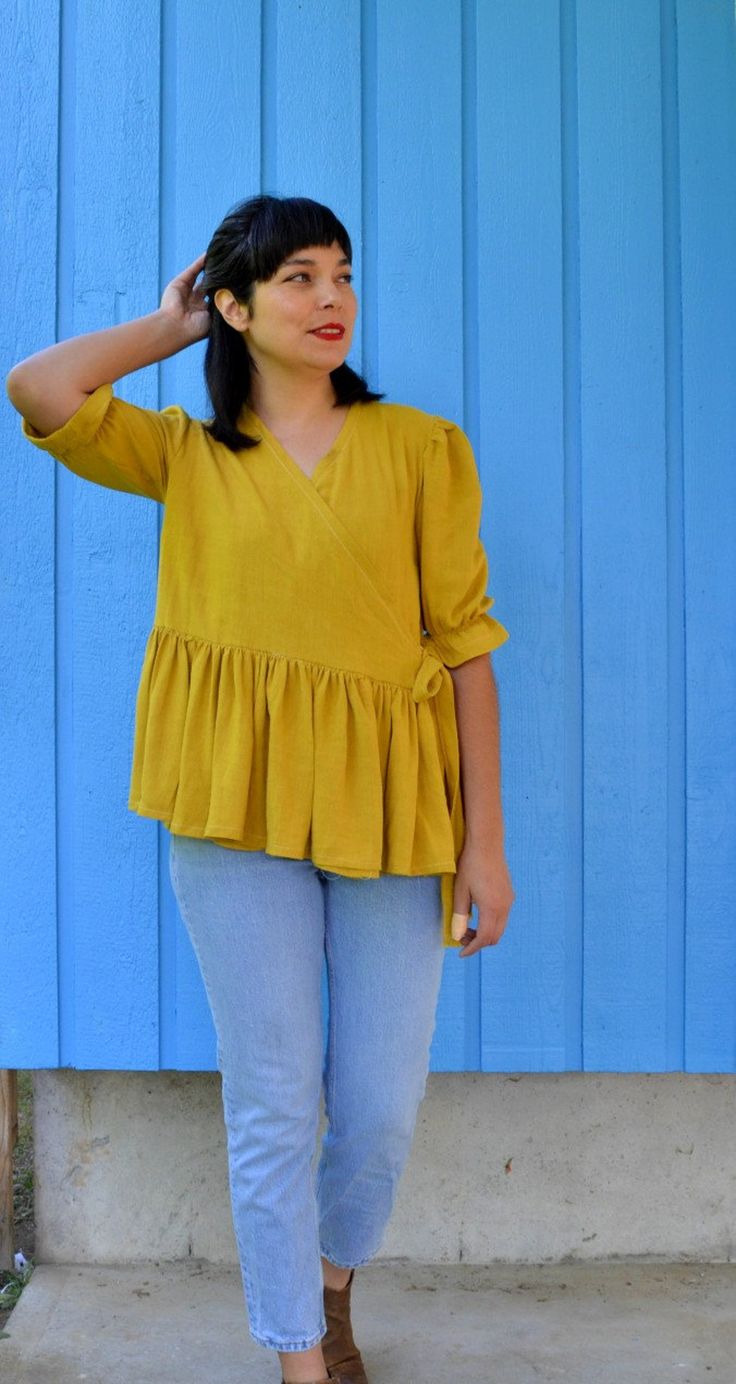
[329,296]
[329,292]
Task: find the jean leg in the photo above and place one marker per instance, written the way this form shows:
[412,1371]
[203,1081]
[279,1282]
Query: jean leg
[385,954]
[256,923]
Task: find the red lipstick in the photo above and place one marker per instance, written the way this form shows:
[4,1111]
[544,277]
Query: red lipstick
[329,331]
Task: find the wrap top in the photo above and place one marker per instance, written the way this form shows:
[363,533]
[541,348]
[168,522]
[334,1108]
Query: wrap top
[294,695]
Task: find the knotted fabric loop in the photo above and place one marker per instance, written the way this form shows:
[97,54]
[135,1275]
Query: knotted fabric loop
[429,676]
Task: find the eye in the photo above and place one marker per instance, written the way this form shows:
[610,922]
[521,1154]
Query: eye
[304,275]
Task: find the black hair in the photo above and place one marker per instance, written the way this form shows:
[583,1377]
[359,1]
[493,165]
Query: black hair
[249,245]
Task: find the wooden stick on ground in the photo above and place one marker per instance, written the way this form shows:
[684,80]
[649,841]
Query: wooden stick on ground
[8,1141]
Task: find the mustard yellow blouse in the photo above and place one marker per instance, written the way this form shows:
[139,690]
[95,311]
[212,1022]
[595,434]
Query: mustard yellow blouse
[294,695]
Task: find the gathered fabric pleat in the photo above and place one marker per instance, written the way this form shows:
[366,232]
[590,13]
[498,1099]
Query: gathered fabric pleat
[260,750]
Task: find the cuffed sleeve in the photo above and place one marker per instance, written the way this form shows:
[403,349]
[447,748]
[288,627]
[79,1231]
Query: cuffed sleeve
[452,558]
[117,444]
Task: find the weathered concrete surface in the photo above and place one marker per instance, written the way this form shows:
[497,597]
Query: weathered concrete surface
[523,1168]
[581,1323]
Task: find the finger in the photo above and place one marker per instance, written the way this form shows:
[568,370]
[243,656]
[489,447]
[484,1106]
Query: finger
[486,934]
[470,950]
[193,269]
[459,922]
[467,948]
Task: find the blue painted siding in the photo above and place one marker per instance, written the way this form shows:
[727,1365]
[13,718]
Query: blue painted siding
[542,201]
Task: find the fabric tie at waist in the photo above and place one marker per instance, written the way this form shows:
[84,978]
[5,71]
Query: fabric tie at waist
[432,680]
[429,676]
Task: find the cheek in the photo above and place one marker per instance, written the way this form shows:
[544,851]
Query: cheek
[294,314]
[284,311]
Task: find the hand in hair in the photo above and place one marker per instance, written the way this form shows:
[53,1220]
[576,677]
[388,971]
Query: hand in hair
[185,303]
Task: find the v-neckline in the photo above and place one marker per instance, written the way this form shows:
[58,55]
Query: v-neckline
[324,461]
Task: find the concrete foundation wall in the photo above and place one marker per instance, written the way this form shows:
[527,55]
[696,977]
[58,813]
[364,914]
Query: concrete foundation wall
[522,1168]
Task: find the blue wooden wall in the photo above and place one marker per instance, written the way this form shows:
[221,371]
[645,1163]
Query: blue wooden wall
[542,201]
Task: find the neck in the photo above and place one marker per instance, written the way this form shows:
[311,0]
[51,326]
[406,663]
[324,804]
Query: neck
[287,400]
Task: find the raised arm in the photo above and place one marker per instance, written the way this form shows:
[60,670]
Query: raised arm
[51,385]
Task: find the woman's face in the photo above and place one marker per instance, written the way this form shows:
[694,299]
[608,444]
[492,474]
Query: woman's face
[309,289]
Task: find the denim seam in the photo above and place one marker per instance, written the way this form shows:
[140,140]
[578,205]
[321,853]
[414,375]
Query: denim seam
[332,1089]
[271,1343]
[331,1084]
[358,1263]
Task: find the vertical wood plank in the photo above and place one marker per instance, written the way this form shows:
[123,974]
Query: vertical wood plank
[108,933]
[516,392]
[29,51]
[706,61]
[631,786]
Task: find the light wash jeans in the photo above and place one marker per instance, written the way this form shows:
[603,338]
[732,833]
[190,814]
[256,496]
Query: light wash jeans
[260,926]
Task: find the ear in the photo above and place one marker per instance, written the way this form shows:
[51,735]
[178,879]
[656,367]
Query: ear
[234,313]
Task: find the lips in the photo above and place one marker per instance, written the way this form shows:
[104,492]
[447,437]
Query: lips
[333,330]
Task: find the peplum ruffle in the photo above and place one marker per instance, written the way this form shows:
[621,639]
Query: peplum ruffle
[260,750]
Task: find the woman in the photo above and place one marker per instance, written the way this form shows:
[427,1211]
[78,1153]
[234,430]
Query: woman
[299,732]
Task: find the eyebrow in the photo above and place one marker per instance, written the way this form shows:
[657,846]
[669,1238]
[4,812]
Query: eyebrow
[344,260]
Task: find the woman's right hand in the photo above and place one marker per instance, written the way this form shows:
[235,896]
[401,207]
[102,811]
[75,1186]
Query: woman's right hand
[186,304]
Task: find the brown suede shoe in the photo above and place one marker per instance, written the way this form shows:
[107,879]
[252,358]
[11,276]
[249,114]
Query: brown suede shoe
[342,1357]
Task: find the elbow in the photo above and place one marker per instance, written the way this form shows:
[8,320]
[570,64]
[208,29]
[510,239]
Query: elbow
[18,386]
[46,403]
[12,384]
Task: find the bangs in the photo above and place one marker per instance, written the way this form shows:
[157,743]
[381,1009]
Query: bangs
[280,227]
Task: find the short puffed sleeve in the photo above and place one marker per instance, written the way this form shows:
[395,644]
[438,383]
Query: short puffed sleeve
[452,558]
[117,444]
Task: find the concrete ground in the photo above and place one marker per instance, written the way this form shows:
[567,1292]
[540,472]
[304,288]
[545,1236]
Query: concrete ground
[177,1322]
